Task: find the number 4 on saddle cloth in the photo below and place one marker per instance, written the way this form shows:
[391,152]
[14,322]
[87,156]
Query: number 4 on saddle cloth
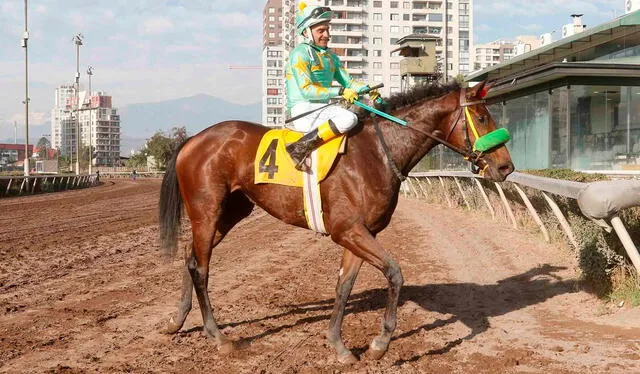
[273,164]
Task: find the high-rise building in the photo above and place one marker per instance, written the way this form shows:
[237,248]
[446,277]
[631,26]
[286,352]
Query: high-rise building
[499,51]
[278,40]
[98,120]
[63,95]
[364,33]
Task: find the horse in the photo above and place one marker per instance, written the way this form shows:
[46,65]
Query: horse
[212,176]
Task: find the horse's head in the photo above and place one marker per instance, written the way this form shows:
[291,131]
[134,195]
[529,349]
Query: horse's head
[470,128]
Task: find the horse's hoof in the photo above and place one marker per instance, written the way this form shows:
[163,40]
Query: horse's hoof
[347,358]
[227,347]
[172,327]
[376,354]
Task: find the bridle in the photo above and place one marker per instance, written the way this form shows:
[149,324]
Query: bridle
[469,153]
[473,152]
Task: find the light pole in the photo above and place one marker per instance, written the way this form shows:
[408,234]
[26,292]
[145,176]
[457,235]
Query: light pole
[25,38]
[90,73]
[77,39]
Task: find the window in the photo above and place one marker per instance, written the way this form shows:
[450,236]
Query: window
[395,78]
[377,16]
[394,4]
[394,65]
[272,10]
[406,5]
[435,17]
[406,17]
[393,41]
[377,53]
[394,28]
[377,4]
[395,17]
[377,41]
[377,77]
[377,28]
[272,34]
[272,18]
[377,65]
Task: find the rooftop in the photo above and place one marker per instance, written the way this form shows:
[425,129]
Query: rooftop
[593,43]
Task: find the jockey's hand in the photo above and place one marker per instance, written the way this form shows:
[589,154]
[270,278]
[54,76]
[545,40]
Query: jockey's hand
[374,95]
[349,94]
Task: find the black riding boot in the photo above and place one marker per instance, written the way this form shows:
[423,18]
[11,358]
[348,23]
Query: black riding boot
[303,148]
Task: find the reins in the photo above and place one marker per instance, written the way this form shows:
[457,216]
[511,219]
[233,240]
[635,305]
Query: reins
[469,154]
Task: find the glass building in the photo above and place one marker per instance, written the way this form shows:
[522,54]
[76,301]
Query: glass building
[574,103]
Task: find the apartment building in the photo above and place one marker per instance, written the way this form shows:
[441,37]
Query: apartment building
[364,34]
[278,39]
[499,51]
[99,125]
[63,95]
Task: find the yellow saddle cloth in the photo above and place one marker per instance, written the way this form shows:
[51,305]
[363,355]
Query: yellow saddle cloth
[274,165]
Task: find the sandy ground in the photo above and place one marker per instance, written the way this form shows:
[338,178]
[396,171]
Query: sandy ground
[84,289]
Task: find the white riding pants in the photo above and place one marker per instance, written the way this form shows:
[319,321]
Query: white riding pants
[343,119]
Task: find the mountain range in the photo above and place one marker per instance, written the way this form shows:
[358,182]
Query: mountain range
[139,122]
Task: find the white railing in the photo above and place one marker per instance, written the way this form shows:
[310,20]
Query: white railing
[21,185]
[600,202]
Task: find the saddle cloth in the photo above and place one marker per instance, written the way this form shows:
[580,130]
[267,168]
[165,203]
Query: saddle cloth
[274,165]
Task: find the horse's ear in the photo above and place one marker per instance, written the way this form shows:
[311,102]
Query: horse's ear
[479,91]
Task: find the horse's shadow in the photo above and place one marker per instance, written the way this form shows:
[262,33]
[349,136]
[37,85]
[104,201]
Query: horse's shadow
[469,303]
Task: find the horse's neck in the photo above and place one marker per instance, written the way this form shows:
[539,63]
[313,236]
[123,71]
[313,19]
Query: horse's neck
[408,146]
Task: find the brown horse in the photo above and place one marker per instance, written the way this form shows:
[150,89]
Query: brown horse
[212,174]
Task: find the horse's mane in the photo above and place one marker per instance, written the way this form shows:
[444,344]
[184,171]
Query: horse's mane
[417,93]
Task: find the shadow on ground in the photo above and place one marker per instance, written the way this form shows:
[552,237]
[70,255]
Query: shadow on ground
[469,303]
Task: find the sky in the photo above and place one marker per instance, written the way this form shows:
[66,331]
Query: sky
[154,50]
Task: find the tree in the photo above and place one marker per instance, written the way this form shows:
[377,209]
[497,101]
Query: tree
[138,160]
[161,146]
[43,147]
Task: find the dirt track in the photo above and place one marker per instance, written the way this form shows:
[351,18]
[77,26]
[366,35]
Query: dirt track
[83,289]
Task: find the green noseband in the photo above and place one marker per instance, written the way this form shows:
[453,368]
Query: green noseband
[491,140]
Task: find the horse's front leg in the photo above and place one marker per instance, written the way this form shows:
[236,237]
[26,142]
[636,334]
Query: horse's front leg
[361,242]
[347,277]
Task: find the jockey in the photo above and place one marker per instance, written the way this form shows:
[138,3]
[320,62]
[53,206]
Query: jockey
[310,71]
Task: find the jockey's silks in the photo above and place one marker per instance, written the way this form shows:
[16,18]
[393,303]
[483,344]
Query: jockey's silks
[310,71]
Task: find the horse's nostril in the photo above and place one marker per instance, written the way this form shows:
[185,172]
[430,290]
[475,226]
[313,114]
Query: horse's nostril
[506,169]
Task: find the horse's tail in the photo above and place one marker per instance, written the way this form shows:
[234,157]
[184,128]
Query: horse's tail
[170,207]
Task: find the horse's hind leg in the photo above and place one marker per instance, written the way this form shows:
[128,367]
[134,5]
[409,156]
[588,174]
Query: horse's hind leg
[235,208]
[361,242]
[348,273]
[175,324]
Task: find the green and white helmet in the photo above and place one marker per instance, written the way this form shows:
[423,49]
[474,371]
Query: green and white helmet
[308,16]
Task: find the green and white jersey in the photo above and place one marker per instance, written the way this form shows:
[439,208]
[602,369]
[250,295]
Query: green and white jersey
[310,72]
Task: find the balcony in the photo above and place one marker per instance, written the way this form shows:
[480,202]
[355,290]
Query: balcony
[352,58]
[347,33]
[346,45]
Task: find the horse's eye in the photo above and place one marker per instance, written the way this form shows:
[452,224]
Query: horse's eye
[481,119]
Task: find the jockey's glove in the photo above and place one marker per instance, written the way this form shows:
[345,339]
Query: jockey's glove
[349,94]
[374,95]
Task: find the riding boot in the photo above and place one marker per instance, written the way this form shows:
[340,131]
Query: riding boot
[301,149]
